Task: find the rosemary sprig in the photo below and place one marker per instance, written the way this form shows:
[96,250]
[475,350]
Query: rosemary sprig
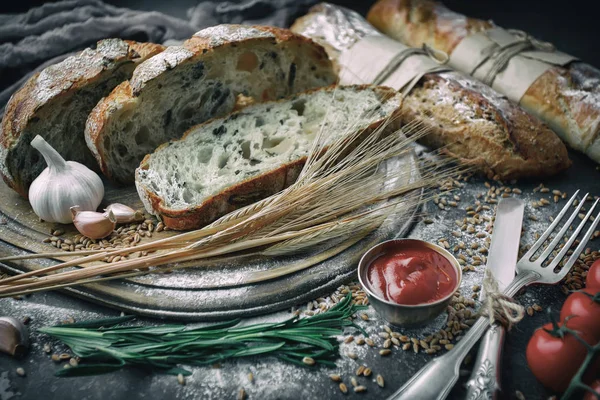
[106,345]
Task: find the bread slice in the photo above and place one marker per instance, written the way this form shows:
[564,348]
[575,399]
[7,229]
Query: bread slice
[202,79]
[231,162]
[55,104]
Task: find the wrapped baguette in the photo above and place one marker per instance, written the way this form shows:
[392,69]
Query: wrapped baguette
[468,120]
[565,94]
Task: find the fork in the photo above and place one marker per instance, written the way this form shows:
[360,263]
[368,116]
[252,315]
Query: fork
[436,379]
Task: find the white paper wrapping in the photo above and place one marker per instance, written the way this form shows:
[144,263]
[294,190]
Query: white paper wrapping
[520,72]
[371,55]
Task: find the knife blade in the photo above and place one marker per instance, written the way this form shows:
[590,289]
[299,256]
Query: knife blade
[502,260]
[504,249]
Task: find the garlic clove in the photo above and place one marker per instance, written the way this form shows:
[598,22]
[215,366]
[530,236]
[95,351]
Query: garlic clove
[62,185]
[124,214]
[93,224]
[14,337]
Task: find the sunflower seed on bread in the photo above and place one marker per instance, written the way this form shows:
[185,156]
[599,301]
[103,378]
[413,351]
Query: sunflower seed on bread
[230,162]
[55,104]
[202,79]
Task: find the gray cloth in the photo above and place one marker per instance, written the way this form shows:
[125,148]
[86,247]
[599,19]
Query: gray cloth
[48,34]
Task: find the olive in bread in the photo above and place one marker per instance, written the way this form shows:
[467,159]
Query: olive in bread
[230,162]
[55,104]
[189,84]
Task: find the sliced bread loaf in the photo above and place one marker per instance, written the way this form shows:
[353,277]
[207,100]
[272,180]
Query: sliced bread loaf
[249,155]
[55,104]
[204,78]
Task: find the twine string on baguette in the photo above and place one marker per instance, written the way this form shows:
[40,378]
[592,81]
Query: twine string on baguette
[501,55]
[497,306]
[438,56]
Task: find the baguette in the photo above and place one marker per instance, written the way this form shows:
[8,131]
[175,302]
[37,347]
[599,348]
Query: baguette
[186,85]
[468,120]
[55,104]
[234,161]
[566,98]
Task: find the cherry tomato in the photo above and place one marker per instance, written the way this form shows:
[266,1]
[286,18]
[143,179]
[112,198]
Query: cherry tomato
[584,312]
[554,360]
[592,281]
[596,386]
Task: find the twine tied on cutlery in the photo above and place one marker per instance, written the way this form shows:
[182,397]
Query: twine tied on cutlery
[497,306]
[501,55]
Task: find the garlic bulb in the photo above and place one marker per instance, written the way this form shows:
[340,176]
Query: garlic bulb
[124,214]
[14,337]
[62,185]
[93,224]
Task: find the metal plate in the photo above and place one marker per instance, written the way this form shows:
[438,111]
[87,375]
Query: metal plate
[223,290]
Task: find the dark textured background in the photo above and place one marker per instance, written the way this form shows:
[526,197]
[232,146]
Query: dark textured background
[573,26]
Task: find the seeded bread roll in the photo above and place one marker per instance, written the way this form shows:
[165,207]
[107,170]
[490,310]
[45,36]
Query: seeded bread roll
[186,85]
[468,120]
[230,162]
[566,98]
[55,104]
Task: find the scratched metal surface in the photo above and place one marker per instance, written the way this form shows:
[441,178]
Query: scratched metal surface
[220,291]
[277,380]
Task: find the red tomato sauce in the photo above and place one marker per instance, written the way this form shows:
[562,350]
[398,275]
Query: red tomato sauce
[412,275]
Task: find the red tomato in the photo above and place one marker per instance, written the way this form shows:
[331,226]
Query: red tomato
[596,386]
[584,312]
[592,281]
[554,360]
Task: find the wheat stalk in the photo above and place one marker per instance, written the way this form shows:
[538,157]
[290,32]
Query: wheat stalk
[338,180]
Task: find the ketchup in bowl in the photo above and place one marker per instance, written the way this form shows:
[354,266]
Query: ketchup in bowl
[411,275]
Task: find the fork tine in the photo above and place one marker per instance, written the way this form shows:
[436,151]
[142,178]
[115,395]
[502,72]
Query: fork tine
[581,245]
[562,232]
[553,225]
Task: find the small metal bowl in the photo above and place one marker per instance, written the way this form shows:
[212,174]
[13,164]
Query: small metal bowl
[404,314]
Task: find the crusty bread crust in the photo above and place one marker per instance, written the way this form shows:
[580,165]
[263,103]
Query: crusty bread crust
[118,99]
[466,119]
[43,89]
[414,22]
[574,110]
[249,190]
[202,44]
[566,98]
[499,138]
[244,193]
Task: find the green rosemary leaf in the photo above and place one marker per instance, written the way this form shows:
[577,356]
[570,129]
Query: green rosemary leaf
[291,360]
[67,331]
[177,371]
[256,328]
[150,330]
[164,347]
[302,339]
[214,327]
[252,351]
[319,331]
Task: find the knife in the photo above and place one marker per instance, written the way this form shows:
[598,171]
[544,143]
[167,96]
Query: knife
[485,378]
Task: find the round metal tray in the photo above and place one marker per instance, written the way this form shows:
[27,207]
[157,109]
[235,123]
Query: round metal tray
[227,289]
